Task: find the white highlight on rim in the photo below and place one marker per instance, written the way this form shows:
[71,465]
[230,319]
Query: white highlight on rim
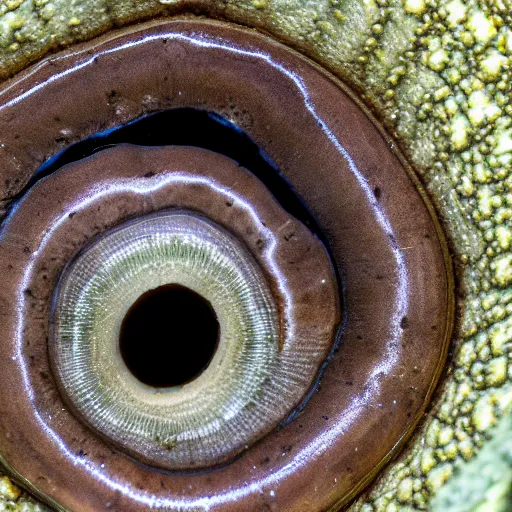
[318,446]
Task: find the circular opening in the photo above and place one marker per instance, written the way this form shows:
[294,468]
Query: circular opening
[168,336]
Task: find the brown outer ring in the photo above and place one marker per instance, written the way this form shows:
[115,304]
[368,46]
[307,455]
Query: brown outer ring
[277,116]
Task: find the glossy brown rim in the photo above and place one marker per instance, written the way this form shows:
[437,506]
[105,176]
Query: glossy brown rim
[381,230]
[132,183]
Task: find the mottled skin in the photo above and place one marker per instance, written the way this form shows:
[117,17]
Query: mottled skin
[438,73]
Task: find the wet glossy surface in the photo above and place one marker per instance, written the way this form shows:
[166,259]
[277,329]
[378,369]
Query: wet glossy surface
[91,197]
[382,236]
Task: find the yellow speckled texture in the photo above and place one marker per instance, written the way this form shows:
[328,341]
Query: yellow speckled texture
[438,74]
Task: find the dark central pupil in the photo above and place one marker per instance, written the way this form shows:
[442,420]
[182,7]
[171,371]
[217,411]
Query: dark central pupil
[168,336]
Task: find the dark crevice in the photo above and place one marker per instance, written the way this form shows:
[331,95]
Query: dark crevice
[187,127]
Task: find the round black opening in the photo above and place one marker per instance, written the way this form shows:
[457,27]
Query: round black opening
[168,336]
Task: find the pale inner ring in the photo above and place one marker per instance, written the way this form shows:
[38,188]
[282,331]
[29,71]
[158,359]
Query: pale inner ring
[103,282]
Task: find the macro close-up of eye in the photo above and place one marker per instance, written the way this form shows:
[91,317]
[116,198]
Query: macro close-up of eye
[256,256]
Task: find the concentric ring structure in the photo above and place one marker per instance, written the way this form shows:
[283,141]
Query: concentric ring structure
[268,278]
[380,229]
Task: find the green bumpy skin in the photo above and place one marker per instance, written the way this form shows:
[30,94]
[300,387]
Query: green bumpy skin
[438,73]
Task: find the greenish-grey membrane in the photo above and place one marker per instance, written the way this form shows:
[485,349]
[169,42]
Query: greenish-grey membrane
[485,483]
